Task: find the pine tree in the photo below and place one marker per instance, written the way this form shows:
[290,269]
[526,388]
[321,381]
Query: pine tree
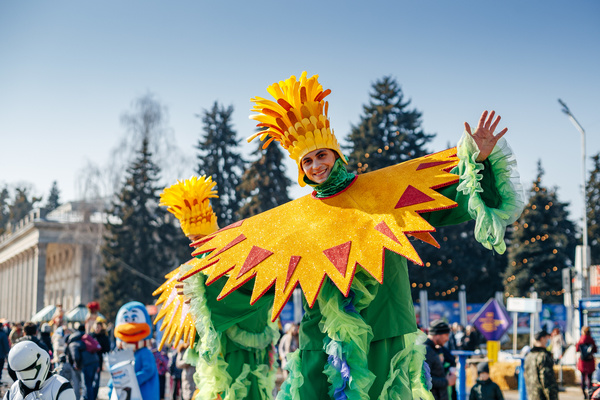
[4,209]
[218,157]
[144,242]
[461,260]
[389,132]
[264,184]
[543,243]
[21,205]
[141,248]
[593,210]
[53,198]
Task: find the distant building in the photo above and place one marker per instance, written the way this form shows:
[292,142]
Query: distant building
[51,260]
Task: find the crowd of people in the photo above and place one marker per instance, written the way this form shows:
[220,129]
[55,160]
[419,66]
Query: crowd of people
[77,352]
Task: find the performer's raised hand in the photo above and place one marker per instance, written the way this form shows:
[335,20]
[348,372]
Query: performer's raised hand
[484,134]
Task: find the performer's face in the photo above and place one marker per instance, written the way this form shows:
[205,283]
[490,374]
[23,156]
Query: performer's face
[317,164]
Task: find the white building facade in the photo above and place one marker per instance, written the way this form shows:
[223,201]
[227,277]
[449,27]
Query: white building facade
[52,260]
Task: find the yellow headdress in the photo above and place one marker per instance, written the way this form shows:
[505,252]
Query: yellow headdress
[298,120]
[189,202]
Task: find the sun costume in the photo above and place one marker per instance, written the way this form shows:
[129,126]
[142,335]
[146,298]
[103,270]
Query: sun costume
[358,336]
[231,344]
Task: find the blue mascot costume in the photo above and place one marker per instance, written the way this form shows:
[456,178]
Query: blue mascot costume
[132,328]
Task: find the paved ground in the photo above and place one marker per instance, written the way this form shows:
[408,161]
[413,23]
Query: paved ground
[570,393]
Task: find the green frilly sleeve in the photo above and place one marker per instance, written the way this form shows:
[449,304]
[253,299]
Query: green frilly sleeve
[490,223]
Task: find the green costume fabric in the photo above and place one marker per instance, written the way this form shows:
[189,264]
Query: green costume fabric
[234,355]
[366,345]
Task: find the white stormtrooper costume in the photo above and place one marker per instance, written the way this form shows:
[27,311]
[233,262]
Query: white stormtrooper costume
[31,364]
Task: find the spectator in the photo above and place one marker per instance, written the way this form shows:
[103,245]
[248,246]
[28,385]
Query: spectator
[557,344]
[162,366]
[175,374]
[57,317]
[83,362]
[288,344]
[64,368]
[100,335]
[4,348]
[30,333]
[485,388]
[92,315]
[59,341]
[586,347]
[437,336]
[470,340]
[187,373]
[16,333]
[46,336]
[539,370]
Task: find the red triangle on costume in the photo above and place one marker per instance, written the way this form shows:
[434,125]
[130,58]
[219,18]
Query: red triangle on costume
[229,245]
[432,164]
[385,229]
[338,255]
[425,237]
[231,226]
[256,256]
[294,260]
[412,196]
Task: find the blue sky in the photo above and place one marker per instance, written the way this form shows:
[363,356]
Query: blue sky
[69,69]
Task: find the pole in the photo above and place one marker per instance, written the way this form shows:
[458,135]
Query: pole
[461,384]
[462,302]
[584,233]
[423,302]
[515,323]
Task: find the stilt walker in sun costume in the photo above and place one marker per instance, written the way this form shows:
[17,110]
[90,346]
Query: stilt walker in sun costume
[231,344]
[358,336]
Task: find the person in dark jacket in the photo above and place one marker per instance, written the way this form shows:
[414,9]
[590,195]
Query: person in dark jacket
[539,370]
[586,347]
[30,333]
[46,336]
[83,362]
[437,336]
[485,388]
[4,348]
[100,335]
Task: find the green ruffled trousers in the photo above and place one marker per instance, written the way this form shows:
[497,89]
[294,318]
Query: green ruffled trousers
[364,346]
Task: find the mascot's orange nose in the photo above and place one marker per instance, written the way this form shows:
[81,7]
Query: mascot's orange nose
[132,332]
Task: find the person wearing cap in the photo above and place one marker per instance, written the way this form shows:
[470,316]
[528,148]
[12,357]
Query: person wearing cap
[485,388]
[437,336]
[358,337]
[539,370]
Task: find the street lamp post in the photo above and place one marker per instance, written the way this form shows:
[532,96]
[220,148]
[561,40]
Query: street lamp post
[584,253]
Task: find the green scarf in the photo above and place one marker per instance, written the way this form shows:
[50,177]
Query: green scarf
[338,180]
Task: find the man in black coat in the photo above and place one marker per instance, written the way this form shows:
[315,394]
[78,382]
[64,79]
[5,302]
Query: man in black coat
[437,336]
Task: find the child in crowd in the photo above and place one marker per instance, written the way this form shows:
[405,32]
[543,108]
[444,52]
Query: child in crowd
[485,388]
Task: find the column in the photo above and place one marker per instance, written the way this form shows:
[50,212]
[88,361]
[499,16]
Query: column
[39,280]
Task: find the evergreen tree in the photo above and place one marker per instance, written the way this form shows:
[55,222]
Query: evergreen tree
[543,243]
[461,260]
[389,132]
[21,205]
[53,198]
[593,210]
[4,209]
[218,157]
[144,243]
[264,184]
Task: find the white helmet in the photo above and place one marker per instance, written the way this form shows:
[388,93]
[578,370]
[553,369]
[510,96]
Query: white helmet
[30,362]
